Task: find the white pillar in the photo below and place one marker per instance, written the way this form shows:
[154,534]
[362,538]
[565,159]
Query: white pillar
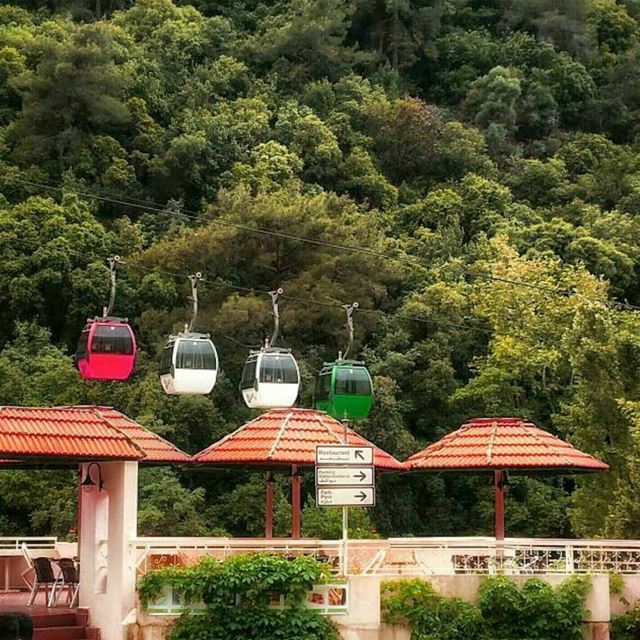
[108,523]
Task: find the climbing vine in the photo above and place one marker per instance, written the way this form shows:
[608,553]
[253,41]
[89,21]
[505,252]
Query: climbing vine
[237,594]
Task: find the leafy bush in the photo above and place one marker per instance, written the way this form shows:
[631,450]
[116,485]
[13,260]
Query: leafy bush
[534,611]
[416,604]
[505,611]
[237,593]
[15,625]
[626,626]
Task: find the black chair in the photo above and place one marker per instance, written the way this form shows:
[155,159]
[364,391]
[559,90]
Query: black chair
[69,579]
[45,580]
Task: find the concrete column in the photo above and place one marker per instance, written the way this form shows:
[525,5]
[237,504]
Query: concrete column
[107,563]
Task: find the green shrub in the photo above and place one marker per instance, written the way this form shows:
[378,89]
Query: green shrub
[505,611]
[237,593]
[415,604]
[626,626]
[15,625]
[534,611]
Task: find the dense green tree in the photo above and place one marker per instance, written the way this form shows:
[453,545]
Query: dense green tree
[75,88]
[492,103]
[466,170]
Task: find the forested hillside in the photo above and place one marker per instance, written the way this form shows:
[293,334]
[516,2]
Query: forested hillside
[467,170]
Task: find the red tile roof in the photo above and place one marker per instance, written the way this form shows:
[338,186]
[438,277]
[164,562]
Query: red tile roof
[285,437]
[79,433]
[502,443]
[155,448]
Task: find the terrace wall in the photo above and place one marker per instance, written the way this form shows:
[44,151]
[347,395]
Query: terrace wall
[363,622]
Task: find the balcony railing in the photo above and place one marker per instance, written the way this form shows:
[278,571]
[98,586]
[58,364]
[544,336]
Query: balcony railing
[411,556]
[32,542]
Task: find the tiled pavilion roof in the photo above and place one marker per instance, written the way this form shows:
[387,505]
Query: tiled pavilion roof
[285,437]
[502,443]
[76,434]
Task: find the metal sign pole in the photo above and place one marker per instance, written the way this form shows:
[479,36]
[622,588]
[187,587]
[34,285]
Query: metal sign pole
[345,476]
[345,515]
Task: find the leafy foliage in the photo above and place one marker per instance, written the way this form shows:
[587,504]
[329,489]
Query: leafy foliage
[505,611]
[626,626]
[236,594]
[476,144]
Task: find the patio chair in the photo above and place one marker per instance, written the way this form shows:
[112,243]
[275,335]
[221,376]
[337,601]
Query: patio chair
[69,579]
[45,580]
[29,570]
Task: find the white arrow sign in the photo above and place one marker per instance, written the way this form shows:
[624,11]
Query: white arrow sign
[343,454]
[344,476]
[346,497]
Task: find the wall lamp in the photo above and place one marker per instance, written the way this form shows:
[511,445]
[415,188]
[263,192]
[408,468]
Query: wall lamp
[88,483]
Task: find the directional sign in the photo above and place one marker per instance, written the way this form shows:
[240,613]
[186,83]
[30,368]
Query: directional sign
[344,476]
[343,454]
[346,497]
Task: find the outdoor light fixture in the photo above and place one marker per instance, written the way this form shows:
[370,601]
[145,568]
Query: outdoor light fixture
[88,483]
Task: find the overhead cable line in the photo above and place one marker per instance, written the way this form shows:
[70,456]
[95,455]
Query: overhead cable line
[257,291]
[406,260]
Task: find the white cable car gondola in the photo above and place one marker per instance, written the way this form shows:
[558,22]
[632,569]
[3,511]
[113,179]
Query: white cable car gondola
[271,378]
[189,361]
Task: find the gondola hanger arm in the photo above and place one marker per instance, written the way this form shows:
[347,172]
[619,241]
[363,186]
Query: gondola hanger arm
[194,279]
[349,308]
[275,296]
[113,262]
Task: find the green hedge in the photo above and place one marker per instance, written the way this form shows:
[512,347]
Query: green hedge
[15,625]
[237,593]
[626,626]
[505,611]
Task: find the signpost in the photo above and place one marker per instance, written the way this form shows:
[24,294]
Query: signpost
[346,497]
[343,454]
[345,477]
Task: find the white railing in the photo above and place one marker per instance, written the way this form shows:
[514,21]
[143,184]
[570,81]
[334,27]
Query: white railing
[152,553]
[411,556]
[15,542]
[519,556]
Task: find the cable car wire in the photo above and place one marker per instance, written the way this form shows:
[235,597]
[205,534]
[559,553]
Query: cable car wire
[320,303]
[256,291]
[406,260]
[306,301]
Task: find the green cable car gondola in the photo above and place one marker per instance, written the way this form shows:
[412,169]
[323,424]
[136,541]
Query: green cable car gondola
[344,388]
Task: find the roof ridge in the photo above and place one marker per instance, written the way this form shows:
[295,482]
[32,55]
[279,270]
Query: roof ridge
[329,429]
[492,439]
[279,435]
[219,443]
[124,435]
[452,435]
[147,431]
[533,433]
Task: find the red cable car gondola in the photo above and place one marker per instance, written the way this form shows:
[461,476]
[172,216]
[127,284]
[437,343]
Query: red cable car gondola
[107,347]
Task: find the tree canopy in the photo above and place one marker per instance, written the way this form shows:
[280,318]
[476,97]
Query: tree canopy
[467,171]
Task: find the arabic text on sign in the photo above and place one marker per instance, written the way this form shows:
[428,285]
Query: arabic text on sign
[345,476]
